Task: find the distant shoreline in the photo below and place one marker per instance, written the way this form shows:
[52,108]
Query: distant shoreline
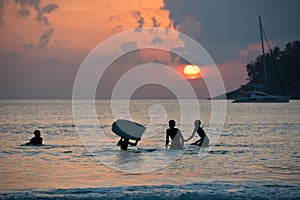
[229,96]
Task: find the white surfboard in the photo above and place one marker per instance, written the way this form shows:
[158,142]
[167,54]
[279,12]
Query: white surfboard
[128,129]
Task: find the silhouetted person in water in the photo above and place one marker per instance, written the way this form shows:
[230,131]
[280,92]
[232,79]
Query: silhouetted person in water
[175,135]
[123,143]
[37,139]
[203,141]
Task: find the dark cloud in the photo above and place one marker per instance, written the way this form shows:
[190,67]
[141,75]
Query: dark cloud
[23,12]
[25,4]
[156,40]
[36,5]
[140,20]
[40,11]
[129,46]
[132,55]
[227,26]
[191,27]
[154,22]
[45,37]
[49,8]
[40,17]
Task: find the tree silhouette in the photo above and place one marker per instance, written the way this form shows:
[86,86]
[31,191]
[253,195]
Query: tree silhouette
[283,70]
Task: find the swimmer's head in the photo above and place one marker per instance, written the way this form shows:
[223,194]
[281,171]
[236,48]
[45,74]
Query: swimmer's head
[172,123]
[197,123]
[37,133]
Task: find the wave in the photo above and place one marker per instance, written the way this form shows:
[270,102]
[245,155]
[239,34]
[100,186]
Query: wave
[214,190]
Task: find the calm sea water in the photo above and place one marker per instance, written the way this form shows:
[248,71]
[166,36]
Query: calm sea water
[256,156]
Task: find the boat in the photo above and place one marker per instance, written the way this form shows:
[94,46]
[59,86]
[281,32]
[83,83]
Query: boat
[259,96]
[258,93]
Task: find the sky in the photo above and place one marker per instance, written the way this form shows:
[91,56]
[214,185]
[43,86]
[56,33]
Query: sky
[43,43]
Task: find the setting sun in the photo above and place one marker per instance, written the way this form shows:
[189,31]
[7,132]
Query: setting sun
[191,72]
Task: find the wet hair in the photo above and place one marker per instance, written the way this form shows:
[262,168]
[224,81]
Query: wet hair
[172,123]
[37,133]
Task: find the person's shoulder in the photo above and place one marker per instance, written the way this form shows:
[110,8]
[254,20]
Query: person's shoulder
[36,141]
[202,132]
[200,129]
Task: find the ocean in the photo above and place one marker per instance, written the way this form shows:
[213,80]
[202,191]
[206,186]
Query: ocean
[256,156]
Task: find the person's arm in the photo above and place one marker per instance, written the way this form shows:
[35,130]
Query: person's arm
[133,144]
[119,143]
[193,135]
[167,138]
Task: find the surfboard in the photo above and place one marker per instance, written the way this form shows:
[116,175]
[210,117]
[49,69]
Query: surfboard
[128,129]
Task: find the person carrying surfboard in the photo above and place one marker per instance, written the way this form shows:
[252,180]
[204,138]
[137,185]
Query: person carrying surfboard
[123,143]
[204,140]
[175,135]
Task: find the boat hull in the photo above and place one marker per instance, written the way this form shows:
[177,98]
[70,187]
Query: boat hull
[262,100]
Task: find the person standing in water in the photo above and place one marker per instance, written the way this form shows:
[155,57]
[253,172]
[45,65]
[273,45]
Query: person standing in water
[123,143]
[175,135]
[204,140]
[37,139]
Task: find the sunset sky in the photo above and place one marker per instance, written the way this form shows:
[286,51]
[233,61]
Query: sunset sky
[43,43]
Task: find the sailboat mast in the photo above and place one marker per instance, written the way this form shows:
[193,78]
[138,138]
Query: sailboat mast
[263,51]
